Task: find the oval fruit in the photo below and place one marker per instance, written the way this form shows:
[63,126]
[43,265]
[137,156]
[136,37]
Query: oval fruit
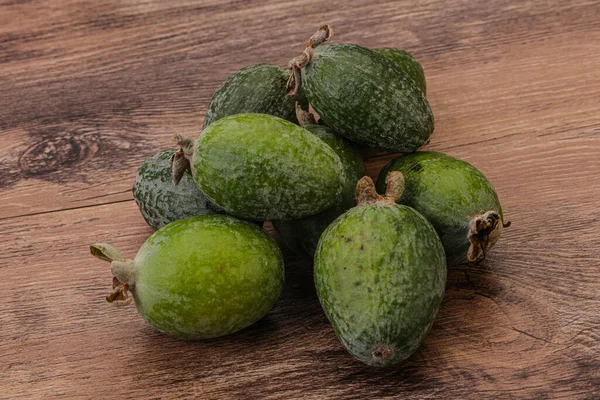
[302,235]
[257,88]
[160,201]
[455,197]
[261,167]
[408,64]
[201,277]
[362,95]
[380,274]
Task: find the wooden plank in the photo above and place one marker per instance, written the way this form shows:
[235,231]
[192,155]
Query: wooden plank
[523,323]
[88,89]
[89,92]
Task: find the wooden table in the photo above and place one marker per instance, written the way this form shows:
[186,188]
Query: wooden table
[89,89]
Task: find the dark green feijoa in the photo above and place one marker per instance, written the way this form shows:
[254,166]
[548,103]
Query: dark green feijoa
[199,278]
[302,235]
[258,88]
[160,201]
[261,167]
[455,197]
[407,62]
[380,273]
[362,95]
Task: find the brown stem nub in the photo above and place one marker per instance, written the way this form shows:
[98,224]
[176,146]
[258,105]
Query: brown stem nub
[484,229]
[304,117]
[293,82]
[179,166]
[181,160]
[367,195]
[185,143]
[394,182]
[324,34]
[297,63]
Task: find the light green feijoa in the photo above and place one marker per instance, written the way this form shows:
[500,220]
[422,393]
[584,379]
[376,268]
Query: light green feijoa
[380,273]
[162,202]
[302,235]
[455,197]
[261,167]
[407,62]
[201,277]
[363,95]
[259,88]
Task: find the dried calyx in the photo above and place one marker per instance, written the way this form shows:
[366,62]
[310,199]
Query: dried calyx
[483,230]
[297,63]
[304,117]
[367,195]
[122,270]
[182,158]
[382,352]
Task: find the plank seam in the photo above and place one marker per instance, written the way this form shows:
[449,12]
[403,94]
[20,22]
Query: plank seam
[65,209]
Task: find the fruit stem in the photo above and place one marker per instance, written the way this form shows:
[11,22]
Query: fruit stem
[293,82]
[181,160]
[324,34]
[304,117]
[123,271]
[106,252]
[394,182]
[367,195]
[483,230]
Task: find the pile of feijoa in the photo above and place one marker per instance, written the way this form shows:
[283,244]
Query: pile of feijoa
[379,251]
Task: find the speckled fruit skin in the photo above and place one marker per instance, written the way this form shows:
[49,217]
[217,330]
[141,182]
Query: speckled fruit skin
[257,88]
[367,98]
[408,64]
[261,167]
[207,276]
[160,201]
[380,274]
[448,192]
[302,235]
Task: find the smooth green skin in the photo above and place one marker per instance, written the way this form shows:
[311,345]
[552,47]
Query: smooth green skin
[302,235]
[261,167]
[367,98]
[207,276]
[449,192]
[380,273]
[257,88]
[160,201]
[408,64]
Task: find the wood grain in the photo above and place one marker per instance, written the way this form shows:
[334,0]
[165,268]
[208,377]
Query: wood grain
[88,89]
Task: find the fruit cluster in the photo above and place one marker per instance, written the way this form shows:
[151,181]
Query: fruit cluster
[379,252]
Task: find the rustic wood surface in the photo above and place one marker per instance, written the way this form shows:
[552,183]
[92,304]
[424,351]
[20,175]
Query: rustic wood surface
[89,89]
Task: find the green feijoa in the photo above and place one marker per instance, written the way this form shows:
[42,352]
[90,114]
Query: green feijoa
[201,277]
[257,88]
[363,96]
[455,197]
[380,273]
[262,167]
[408,64]
[160,201]
[302,235]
